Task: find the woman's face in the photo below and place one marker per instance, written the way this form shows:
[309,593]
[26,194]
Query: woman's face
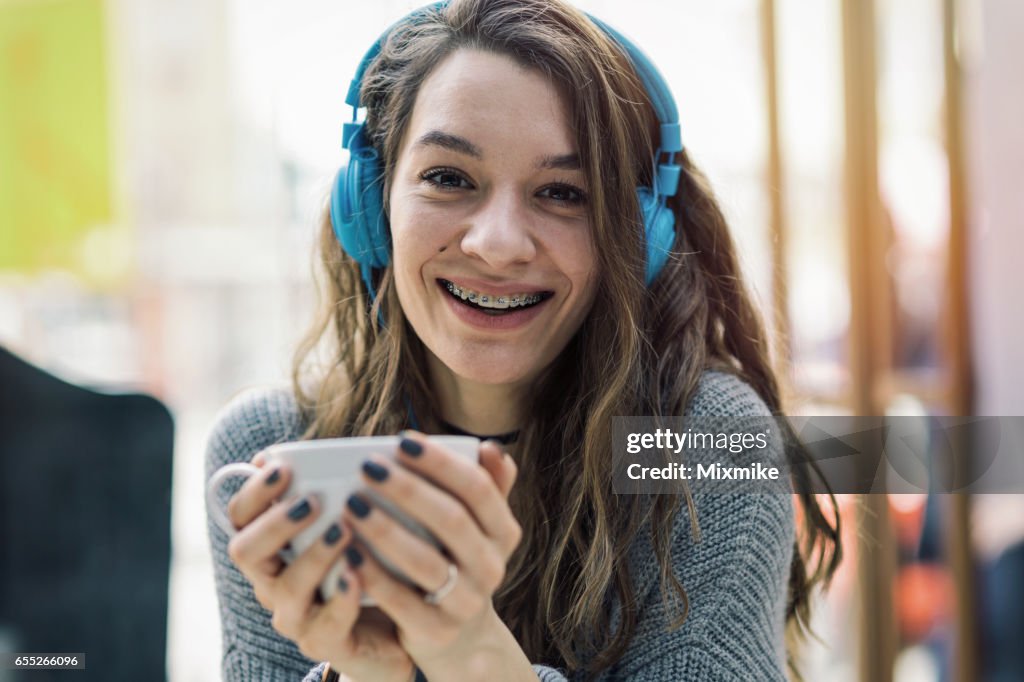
[493,253]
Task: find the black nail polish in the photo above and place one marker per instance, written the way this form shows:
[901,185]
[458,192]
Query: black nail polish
[299,511]
[411,447]
[274,477]
[354,557]
[342,584]
[375,471]
[358,506]
[332,535]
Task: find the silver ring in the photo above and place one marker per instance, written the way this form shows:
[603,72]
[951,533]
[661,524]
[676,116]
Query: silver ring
[440,593]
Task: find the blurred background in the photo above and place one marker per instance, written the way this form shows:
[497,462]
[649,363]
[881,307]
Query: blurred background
[162,166]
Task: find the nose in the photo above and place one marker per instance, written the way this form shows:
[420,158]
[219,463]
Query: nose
[500,232]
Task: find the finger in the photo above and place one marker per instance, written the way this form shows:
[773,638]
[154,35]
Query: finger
[500,466]
[337,616]
[297,585]
[255,547]
[410,554]
[403,604]
[441,514]
[306,572]
[467,482]
[257,494]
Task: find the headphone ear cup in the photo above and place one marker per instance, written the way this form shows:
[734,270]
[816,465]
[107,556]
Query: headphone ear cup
[357,207]
[659,232]
[373,224]
[341,212]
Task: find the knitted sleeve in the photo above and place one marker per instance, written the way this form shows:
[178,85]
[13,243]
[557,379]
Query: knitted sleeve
[736,582]
[735,576]
[252,649]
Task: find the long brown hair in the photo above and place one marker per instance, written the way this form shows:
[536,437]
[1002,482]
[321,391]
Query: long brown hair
[649,346]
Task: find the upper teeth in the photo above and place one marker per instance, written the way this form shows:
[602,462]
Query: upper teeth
[491,300]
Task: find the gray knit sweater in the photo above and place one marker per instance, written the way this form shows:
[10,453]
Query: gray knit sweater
[736,576]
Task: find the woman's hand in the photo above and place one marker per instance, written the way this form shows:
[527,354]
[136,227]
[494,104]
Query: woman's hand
[361,643]
[465,507]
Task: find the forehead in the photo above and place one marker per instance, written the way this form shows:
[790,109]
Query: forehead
[494,102]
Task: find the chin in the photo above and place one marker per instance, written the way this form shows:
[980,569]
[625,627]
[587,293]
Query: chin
[494,372]
[495,377]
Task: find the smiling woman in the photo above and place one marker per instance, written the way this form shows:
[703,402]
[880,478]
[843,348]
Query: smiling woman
[519,247]
[478,203]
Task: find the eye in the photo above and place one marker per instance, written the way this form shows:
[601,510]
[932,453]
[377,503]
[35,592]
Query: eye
[445,179]
[564,193]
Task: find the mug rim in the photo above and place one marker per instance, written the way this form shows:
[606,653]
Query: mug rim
[319,444]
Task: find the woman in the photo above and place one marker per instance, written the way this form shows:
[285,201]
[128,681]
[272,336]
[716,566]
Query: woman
[523,293]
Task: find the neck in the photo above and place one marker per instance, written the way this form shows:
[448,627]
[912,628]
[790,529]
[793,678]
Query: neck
[473,406]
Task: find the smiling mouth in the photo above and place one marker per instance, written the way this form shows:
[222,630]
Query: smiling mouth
[491,304]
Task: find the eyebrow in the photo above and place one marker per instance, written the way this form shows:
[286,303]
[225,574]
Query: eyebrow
[460,145]
[560,162]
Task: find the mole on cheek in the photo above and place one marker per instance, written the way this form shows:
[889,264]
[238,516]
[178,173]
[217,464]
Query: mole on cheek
[442,249]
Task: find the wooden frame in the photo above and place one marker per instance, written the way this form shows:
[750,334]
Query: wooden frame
[873,379]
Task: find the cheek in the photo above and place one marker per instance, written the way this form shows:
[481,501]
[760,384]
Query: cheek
[419,228]
[405,258]
[587,275]
[410,255]
[579,259]
[413,238]
[416,241]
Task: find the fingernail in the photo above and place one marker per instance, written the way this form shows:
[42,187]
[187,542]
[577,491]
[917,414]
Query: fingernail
[299,511]
[332,535]
[274,476]
[355,558]
[358,506]
[375,471]
[411,447]
[342,584]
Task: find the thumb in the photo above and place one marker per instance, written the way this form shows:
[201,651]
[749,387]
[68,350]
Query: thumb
[499,465]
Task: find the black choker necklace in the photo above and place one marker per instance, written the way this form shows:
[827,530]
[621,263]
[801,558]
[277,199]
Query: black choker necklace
[504,438]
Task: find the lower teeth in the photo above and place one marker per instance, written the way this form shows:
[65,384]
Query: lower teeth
[492,311]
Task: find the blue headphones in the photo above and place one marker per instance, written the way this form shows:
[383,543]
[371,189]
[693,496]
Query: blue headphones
[357,198]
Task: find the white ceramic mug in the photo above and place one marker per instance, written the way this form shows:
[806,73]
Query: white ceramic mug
[331,470]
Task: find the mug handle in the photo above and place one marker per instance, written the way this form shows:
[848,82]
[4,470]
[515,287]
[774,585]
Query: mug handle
[218,478]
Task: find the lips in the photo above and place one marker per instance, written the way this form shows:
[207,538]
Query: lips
[494,315]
